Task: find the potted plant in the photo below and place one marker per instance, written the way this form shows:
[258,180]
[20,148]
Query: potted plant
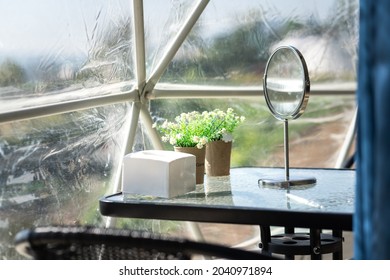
[187,134]
[219,126]
[191,132]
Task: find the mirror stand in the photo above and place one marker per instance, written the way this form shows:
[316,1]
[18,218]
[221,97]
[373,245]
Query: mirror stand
[287,181]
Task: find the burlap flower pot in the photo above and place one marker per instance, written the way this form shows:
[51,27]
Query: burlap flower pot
[217,161]
[200,157]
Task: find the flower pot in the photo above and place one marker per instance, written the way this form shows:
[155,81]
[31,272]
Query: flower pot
[200,157]
[217,161]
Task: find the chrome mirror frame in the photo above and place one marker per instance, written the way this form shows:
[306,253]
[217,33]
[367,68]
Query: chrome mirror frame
[306,85]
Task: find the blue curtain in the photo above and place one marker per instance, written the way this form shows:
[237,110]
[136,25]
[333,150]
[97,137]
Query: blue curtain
[372,218]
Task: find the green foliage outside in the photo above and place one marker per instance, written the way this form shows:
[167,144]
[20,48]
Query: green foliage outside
[11,74]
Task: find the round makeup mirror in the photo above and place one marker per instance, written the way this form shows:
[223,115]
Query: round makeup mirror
[286,89]
[286,83]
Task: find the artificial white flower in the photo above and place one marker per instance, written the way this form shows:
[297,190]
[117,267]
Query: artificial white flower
[195,129]
[227,137]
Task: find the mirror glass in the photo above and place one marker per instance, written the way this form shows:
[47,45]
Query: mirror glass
[286,83]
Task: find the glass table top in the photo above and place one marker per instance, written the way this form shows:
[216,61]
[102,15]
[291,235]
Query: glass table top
[333,191]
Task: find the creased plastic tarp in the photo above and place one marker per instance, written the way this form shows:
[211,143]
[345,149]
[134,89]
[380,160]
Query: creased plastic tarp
[64,50]
[232,41]
[54,169]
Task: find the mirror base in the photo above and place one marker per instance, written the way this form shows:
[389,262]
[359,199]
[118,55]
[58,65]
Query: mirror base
[282,183]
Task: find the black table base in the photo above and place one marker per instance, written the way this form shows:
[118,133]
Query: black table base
[313,243]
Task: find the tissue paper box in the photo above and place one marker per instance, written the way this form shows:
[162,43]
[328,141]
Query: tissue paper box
[158,173]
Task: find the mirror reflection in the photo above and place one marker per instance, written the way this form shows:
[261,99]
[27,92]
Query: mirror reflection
[286,83]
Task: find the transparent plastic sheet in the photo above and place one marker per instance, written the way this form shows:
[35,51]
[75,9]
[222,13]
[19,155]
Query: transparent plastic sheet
[63,51]
[163,19]
[233,40]
[54,169]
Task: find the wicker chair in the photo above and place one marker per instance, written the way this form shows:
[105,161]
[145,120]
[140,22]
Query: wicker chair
[91,243]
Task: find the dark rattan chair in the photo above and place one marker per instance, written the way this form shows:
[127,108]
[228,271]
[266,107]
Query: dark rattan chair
[90,243]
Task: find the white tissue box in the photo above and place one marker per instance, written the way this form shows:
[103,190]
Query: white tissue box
[158,173]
